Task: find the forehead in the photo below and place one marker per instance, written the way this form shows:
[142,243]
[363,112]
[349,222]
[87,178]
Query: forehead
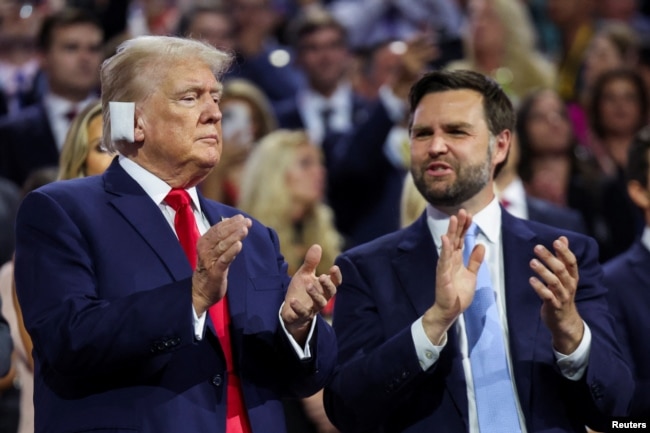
[450,106]
[75,31]
[190,73]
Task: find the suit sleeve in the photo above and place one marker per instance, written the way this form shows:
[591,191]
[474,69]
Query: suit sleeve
[76,331]
[375,373]
[609,384]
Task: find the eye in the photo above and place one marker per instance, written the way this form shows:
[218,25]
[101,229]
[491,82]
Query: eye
[421,133]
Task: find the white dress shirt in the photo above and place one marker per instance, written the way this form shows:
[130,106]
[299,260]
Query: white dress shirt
[515,195]
[311,105]
[488,220]
[158,189]
[57,109]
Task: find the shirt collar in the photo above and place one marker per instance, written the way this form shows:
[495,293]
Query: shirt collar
[59,106]
[487,219]
[339,98]
[645,238]
[155,187]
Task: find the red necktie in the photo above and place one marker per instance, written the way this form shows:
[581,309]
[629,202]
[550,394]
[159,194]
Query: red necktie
[188,235]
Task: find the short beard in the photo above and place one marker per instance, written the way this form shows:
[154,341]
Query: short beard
[469,182]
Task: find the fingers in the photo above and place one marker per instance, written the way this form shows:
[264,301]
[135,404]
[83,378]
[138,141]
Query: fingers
[476,258]
[557,274]
[223,242]
[312,259]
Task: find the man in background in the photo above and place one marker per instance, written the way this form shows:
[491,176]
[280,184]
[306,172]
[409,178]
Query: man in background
[70,45]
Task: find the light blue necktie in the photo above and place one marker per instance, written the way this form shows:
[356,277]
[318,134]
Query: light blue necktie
[493,390]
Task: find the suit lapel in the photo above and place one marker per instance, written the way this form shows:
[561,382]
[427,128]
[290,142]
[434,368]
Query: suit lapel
[237,276]
[522,303]
[415,266]
[130,200]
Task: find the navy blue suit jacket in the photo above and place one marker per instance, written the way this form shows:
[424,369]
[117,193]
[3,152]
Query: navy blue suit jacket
[627,277]
[26,143]
[389,283]
[547,213]
[106,294]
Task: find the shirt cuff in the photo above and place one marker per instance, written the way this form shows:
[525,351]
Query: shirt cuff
[303,353]
[427,352]
[199,324]
[574,365]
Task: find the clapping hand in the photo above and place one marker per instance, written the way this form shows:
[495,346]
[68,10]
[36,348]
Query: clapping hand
[308,294]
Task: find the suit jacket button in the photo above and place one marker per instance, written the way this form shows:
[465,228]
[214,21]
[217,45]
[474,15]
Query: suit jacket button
[217,380]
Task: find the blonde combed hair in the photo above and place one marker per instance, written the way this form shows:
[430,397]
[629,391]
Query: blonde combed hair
[139,64]
[72,162]
[263,195]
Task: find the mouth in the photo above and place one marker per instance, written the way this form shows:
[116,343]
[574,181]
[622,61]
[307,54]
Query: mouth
[211,138]
[439,168]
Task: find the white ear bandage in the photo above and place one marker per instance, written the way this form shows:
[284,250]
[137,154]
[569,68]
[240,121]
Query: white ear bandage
[122,121]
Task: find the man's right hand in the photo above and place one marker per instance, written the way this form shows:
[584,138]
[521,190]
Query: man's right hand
[216,249]
[455,282]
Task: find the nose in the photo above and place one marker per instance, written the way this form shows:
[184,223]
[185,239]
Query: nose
[211,112]
[438,145]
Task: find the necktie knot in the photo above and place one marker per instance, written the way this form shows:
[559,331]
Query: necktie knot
[470,241]
[70,114]
[178,198]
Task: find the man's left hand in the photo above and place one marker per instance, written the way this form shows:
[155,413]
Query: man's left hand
[556,286]
[308,294]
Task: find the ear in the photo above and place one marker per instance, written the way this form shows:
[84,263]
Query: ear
[501,147]
[138,134]
[639,194]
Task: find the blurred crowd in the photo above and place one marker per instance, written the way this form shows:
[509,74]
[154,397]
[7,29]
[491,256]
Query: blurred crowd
[315,127]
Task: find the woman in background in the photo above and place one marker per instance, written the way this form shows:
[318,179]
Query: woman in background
[500,42]
[82,154]
[247,117]
[283,185]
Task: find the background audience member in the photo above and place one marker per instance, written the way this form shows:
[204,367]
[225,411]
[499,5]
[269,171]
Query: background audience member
[327,106]
[412,204]
[83,153]
[500,42]
[619,109]
[260,55]
[613,46]
[70,42]
[367,166]
[247,117]
[19,64]
[369,22]
[552,166]
[513,197]
[627,277]
[576,25]
[284,186]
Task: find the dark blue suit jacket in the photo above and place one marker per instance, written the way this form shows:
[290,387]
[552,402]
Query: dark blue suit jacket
[26,143]
[546,212]
[627,277]
[389,283]
[106,294]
